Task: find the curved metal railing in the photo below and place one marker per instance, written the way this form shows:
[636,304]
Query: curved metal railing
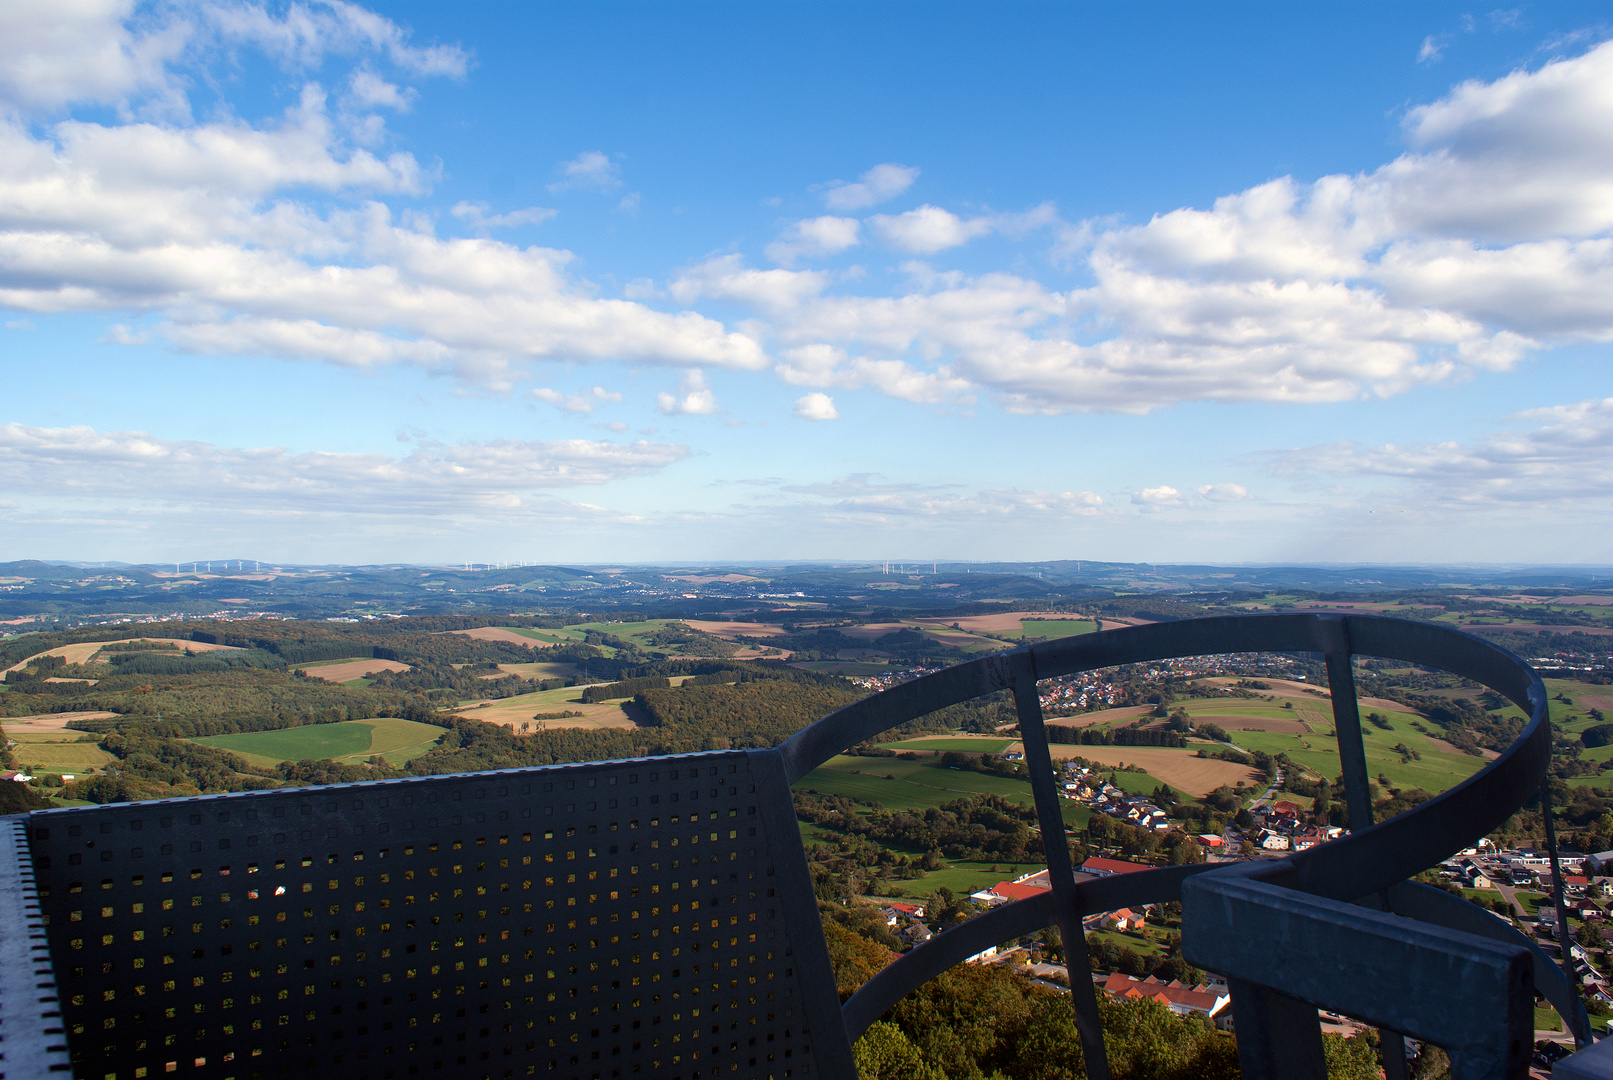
[1370,864]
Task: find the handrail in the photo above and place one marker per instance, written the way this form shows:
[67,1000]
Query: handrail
[1369,860]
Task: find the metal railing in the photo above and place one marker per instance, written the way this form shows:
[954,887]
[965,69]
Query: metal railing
[528,921]
[1370,865]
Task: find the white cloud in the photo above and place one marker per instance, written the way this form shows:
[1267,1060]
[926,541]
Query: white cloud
[369,90]
[1489,239]
[1558,457]
[588,171]
[577,403]
[191,222]
[1155,499]
[813,238]
[54,54]
[1432,51]
[79,462]
[1223,492]
[697,399]
[475,216]
[860,496]
[878,184]
[308,32]
[928,229]
[816,406]
[115,51]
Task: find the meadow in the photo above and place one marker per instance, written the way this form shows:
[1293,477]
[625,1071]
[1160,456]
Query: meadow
[395,740]
[918,785]
[56,752]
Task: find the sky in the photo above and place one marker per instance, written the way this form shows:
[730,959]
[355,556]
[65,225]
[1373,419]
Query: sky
[646,282]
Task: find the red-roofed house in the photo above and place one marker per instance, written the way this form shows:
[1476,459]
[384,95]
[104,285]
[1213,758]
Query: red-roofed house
[1124,919]
[1104,867]
[1179,999]
[1016,890]
[902,907]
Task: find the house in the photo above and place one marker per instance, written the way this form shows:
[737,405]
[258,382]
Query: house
[902,907]
[1179,999]
[1209,840]
[1124,920]
[1600,889]
[1309,839]
[1014,755]
[982,956]
[1098,867]
[915,933]
[12,774]
[1273,841]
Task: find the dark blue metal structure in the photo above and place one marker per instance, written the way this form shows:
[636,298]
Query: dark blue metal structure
[655,917]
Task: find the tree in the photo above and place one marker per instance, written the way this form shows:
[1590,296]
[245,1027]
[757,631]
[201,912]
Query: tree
[885,1053]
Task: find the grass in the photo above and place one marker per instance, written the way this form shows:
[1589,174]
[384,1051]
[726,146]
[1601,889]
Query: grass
[1546,1018]
[59,757]
[395,740]
[1318,753]
[918,785]
[1053,628]
[331,663]
[964,877]
[973,746]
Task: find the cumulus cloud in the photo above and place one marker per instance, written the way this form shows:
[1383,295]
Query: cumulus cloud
[577,403]
[1153,500]
[816,406]
[928,229]
[369,90]
[813,238]
[697,399]
[1491,238]
[193,222]
[475,216]
[1223,492]
[588,171]
[875,186]
[79,462]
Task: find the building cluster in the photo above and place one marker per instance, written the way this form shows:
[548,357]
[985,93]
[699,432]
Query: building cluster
[1087,786]
[1091,690]
[887,679]
[1281,826]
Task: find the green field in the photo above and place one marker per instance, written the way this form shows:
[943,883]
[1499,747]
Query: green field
[393,739]
[971,746]
[58,753]
[917,785]
[1053,628]
[1318,754]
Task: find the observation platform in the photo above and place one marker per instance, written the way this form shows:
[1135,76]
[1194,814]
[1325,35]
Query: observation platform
[655,917]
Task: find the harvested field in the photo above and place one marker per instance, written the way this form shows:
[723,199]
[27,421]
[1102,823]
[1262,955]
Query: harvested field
[347,670]
[498,633]
[1004,622]
[512,712]
[1127,713]
[542,671]
[1586,601]
[733,629]
[82,651]
[1178,768]
[50,721]
[82,682]
[751,653]
[1601,702]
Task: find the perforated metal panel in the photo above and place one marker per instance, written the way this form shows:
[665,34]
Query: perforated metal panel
[583,922]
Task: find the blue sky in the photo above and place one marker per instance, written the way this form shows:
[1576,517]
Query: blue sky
[652,282]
